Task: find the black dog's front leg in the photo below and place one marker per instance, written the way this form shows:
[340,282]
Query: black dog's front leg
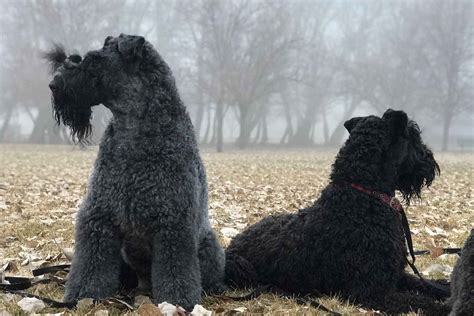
[95,270]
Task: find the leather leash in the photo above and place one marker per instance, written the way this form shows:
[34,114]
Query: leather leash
[16,285]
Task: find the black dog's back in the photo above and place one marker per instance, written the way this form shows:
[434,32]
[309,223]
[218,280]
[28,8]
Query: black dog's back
[312,249]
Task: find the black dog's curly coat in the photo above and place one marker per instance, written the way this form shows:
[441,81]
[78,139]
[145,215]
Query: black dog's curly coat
[348,243]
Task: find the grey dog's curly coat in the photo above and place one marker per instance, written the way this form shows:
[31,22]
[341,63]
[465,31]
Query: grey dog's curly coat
[146,201]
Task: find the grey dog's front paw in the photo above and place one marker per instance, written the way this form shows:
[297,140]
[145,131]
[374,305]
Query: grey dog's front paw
[88,289]
[71,294]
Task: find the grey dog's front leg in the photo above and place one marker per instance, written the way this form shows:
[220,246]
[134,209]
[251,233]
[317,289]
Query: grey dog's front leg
[95,268]
[175,271]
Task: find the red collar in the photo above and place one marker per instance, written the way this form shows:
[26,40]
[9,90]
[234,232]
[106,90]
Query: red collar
[391,201]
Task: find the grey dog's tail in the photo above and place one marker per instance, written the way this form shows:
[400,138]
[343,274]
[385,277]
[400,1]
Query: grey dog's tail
[239,272]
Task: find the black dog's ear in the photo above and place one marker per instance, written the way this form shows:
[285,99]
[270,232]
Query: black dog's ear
[350,124]
[397,120]
[131,47]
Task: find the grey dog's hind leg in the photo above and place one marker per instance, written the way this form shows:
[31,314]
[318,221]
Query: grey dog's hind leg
[211,261]
[175,267]
[95,270]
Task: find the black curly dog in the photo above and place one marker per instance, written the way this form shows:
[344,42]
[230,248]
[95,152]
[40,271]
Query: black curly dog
[462,281]
[349,243]
[146,202]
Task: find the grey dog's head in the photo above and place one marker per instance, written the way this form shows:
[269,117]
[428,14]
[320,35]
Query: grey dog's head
[106,76]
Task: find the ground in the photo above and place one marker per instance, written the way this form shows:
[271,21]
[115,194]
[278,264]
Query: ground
[42,186]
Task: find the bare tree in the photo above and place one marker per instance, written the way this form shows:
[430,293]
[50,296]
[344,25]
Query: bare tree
[448,46]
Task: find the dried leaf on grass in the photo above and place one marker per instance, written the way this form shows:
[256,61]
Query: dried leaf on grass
[149,310]
[31,304]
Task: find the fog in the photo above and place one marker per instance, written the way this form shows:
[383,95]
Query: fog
[259,73]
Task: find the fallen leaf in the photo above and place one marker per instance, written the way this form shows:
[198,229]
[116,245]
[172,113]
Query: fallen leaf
[149,310]
[435,252]
[169,309]
[31,304]
[85,303]
[199,310]
[69,253]
[229,232]
[438,268]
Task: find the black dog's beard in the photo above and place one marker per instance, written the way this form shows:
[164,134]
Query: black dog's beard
[419,169]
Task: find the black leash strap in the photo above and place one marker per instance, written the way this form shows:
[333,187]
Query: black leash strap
[51,269]
[446,251]
[46,300]
[407,233]
[15,285]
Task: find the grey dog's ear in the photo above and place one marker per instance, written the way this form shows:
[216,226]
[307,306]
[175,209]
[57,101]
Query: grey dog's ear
[107,40]
[131,47]
[350,124]
[397,120]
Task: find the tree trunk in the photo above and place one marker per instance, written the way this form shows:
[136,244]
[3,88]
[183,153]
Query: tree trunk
[257,135]
[446,127]
[264,131]
[214,128]
[302,136]
[44,130]
[199,119]
[208,126]
[288,134]
[336,136]
[220,126]
[325,127]
[244,134]
[6,121]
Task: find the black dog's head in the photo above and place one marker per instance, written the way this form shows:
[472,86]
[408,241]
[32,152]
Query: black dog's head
[396,142]
[111,76]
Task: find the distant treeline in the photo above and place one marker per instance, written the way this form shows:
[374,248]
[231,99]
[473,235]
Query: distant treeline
[305,65]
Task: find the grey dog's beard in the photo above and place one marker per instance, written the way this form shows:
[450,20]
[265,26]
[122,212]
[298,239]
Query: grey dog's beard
[75,116]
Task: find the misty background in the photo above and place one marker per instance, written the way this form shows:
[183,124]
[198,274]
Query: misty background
[259,72]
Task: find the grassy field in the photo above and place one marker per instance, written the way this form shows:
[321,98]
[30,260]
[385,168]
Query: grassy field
[41,188]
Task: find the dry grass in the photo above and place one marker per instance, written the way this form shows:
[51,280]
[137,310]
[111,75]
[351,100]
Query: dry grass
[42,186]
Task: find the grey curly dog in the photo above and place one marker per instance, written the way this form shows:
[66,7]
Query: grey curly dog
[146,202]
